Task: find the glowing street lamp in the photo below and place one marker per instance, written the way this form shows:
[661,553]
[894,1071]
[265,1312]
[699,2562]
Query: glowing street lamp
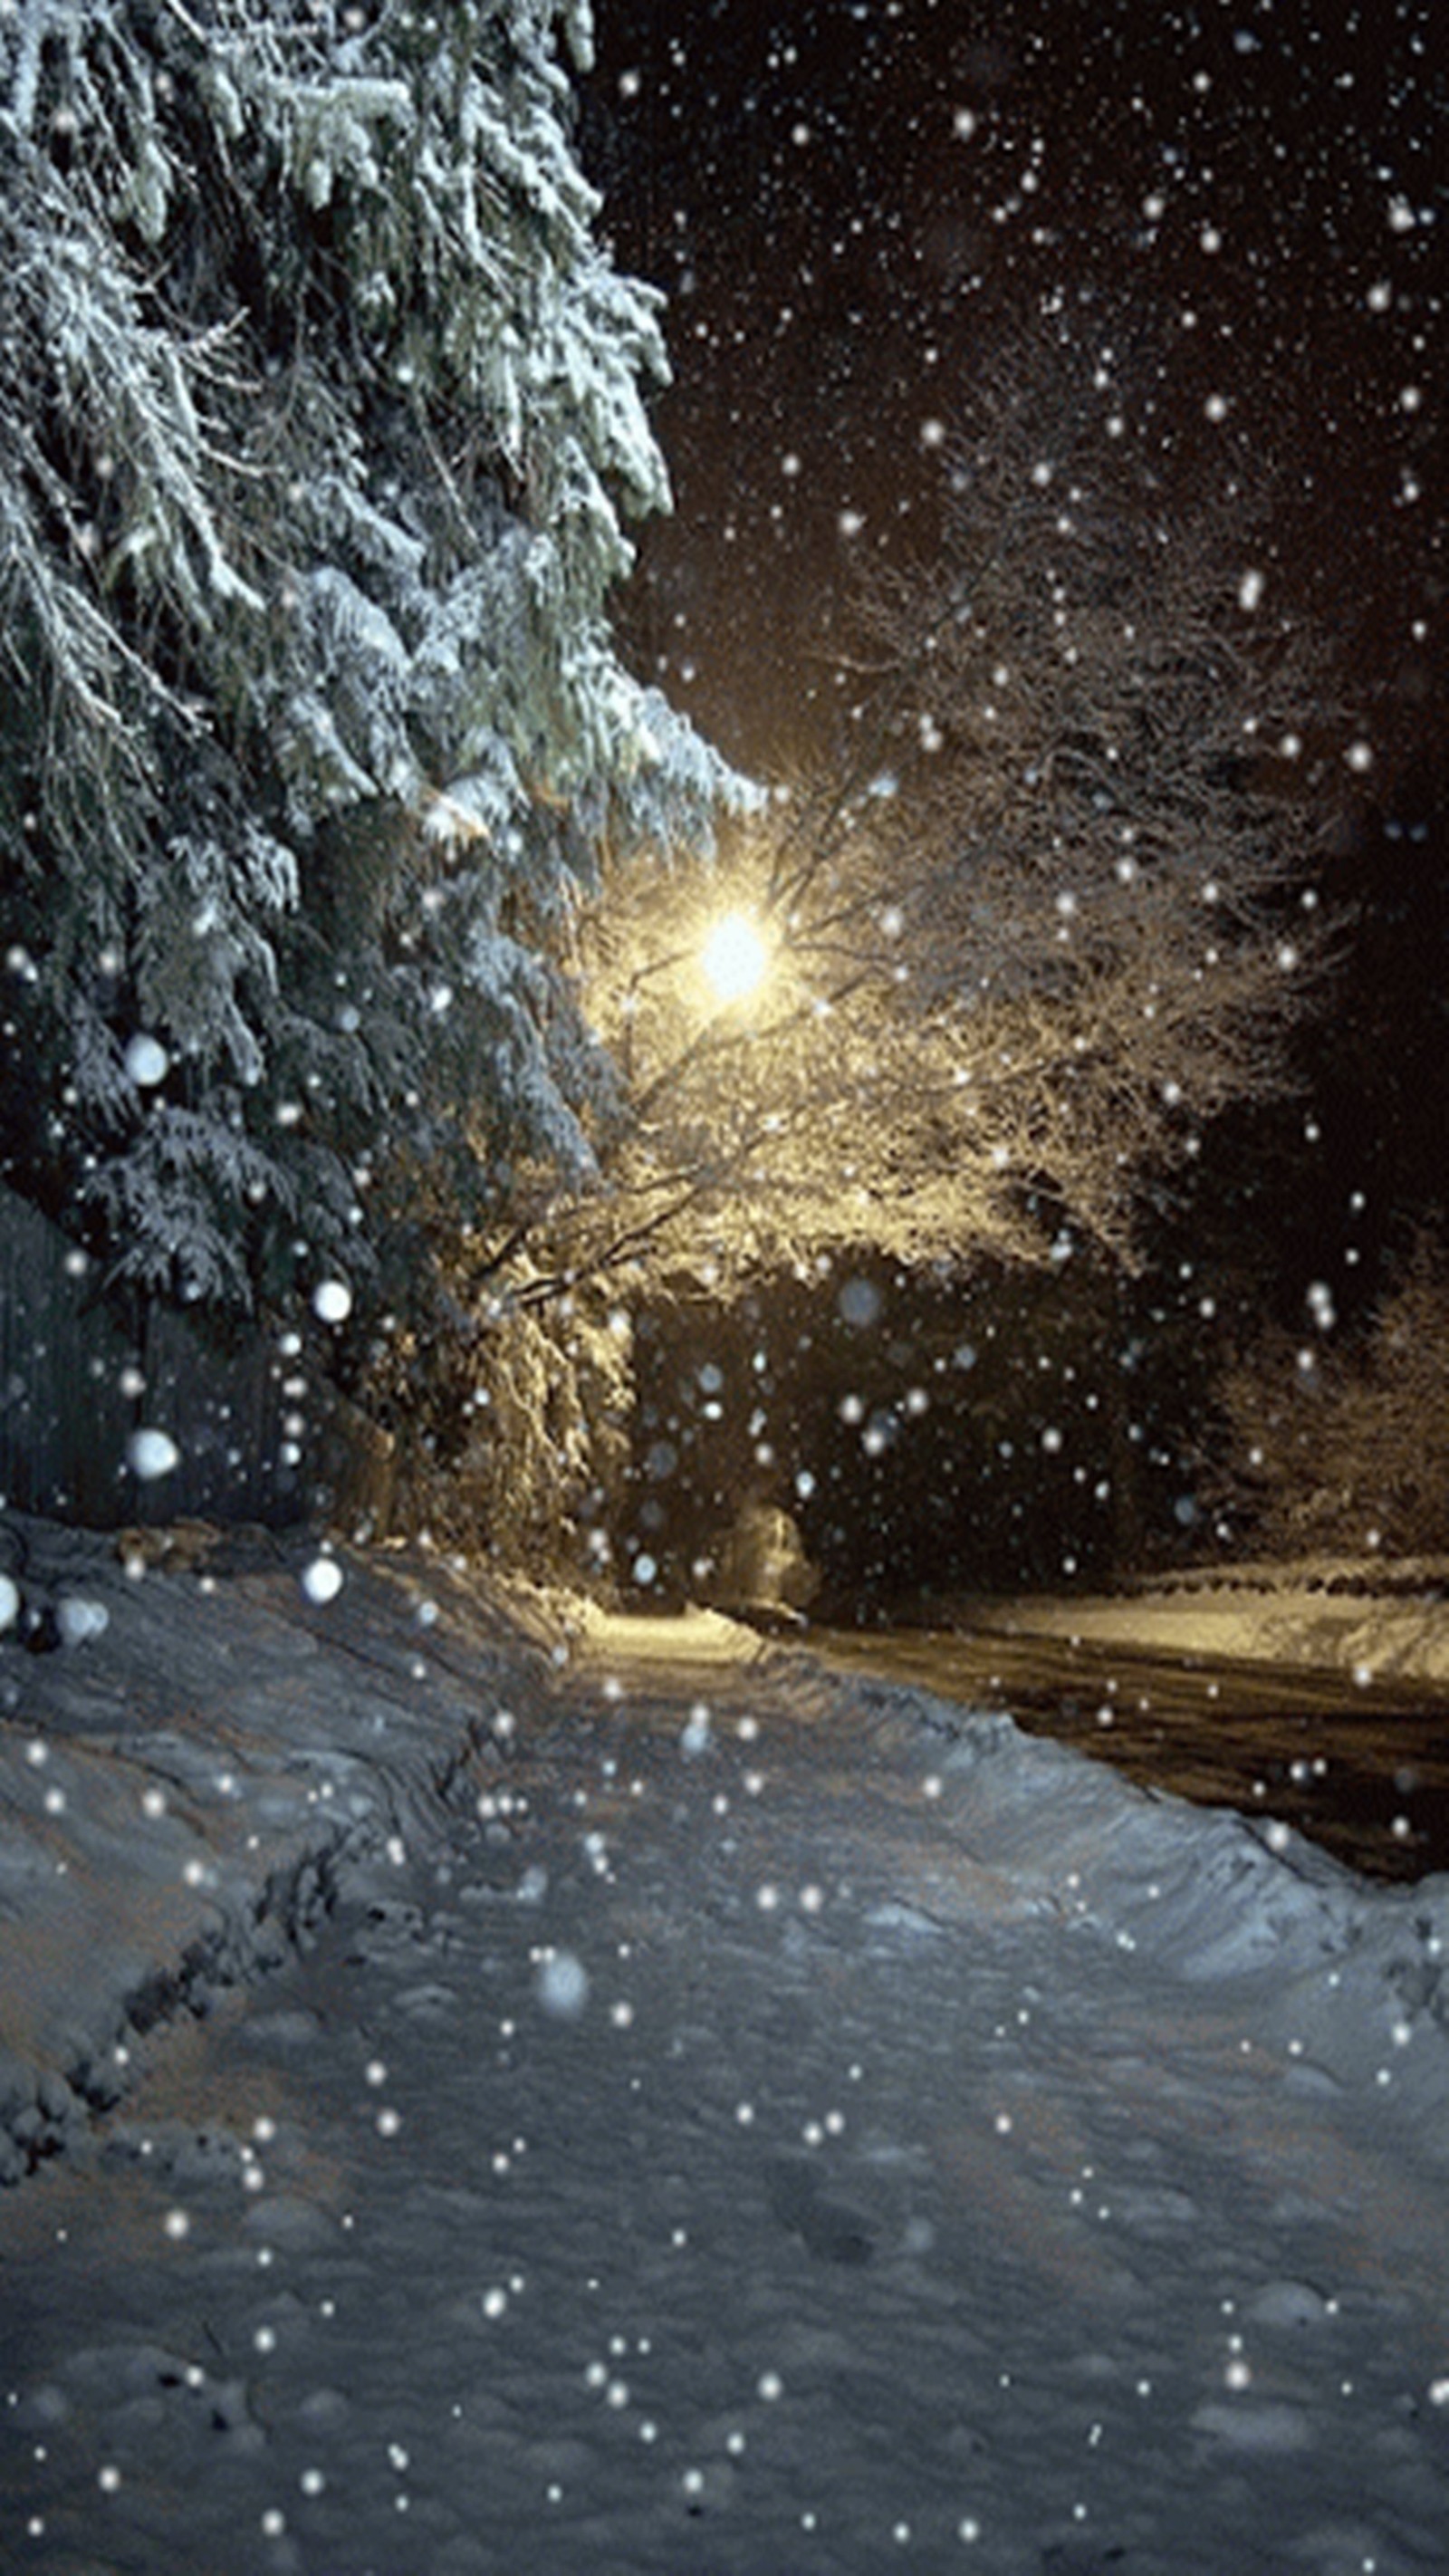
[735,958]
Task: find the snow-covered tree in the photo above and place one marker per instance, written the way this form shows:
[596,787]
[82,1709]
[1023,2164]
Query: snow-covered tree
[1053,913]
[321,414]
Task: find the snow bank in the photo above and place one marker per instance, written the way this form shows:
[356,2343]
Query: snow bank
[180,1785]
[1348,1975]
[1375,1623]
[740,2116]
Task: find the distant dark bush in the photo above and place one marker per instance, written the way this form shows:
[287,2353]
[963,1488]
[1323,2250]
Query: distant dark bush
[1347,1450]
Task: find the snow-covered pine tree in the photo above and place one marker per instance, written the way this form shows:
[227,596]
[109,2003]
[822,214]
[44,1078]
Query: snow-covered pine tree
[321,412]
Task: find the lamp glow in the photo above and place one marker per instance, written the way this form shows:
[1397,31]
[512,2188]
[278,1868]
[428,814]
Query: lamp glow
[735,958]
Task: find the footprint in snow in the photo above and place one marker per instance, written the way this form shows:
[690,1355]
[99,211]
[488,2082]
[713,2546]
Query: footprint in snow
[828,2231]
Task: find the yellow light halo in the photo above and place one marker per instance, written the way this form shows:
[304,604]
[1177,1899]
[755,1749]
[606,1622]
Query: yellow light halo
[735,958]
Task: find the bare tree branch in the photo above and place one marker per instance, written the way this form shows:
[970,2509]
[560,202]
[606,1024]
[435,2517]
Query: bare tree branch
[1049,920]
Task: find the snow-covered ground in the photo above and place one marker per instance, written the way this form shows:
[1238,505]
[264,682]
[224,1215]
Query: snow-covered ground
[505,2093]
[1374,1622]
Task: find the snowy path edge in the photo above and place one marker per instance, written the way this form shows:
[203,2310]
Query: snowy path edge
[183,1793]
[184,1789]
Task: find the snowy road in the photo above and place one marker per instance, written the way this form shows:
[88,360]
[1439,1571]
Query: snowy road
[771,2124]
[1363,1768]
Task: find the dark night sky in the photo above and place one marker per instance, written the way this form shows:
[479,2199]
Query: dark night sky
[846,201]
